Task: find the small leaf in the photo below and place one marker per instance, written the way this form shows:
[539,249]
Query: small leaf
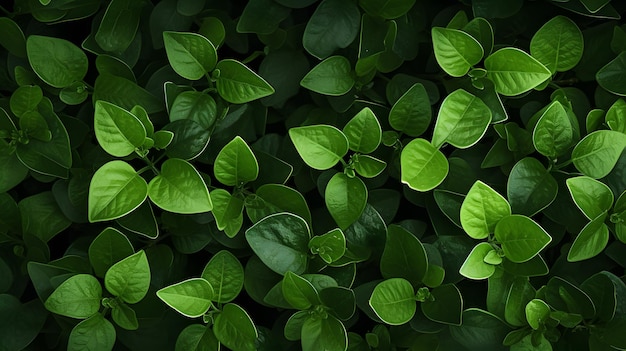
[191,55]
[320,146]
[225,273]
[455,50]
[118,131]
[591,240]
[345,199]
[238,84]
[553,133]
[77,297]
[129,279]
[368,166]
[329,246]
[482,209]
[462,120]
[69,64]
[332,77]
[234,328]
[411,113]
[558,44]
[25,99]
[228,211]
[235,164]
[521,238]
[616,116]
[299,292]
[537,313]
[475,266]
[125,317]
[423,167]
[515,72]
[530,187]
[119,25]
[393,301]
[196,106]
[597,153]
[179,188]
[191,298]
[592,197]
[94,333]
[363,132]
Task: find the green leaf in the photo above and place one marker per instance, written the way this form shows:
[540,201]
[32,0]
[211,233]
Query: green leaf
[475,266]
[237,84]
[125,93]
[411,113]
[262,17]
[537,313]
[333,25]
[530,187]
[235,164]
[592,197]
[234,328]
[119,25]
[616,116]
[125,317]
[553,133]
[109,247]
[115,190]
[345,199]
[481,30]
[42,217]
[25,99]
[393,301]
[281,242]
[74,94]
[94,333]
[56,61]
[118,131]
[225,274]
[368,166]
[197,337]
[363,132]
[191,298]
[332,77]
[480,330]
[275,198]
[515,72]
[603,288]
[482,209]
[196,106]
[329,246]
[324,334]
[179,188]
[462,120]
[521,238]
[519,294]
[228,211]
[129,279]
[299,292]
[320,146]
[591,240]
[423,167]
[387,9]
[404,256]
[446,305]
[597,153]
[455,50]
[612,75]
[562,295]
[191,55]
[13,39]
[77,297]
[558,44]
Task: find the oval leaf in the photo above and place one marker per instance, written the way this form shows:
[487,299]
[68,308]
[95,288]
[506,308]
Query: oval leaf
[592,197]
[320,146]
[423,167]
[515,72]
[530,187]
[558,44]
[475,266]
[191,298]
[129,279]
[191,55]
[94,333]
[462,120]
[363,132]
[109,247]
[235,164]
[521,238]
[553,133]
[332,77]
[455,50]
[57,62]
[77,297]
[237,84]
[412,113]
[597,153]
[393,301]
[225,273]
[118,131]
[345,199]
[482,209]
[591,240]
[234,328]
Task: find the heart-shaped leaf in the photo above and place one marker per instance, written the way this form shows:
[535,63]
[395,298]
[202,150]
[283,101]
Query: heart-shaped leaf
[179,188]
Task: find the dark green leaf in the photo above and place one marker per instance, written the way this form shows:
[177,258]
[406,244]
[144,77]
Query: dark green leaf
[69,63]
[94,333]
[332,77]
[345,199]
[333,25]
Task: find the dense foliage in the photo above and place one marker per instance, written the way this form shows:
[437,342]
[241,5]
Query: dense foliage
[312,174]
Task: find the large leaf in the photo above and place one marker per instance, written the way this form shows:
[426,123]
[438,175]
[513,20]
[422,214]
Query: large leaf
[423,167]
[333,25]
[515,72]
[455,50]
[530,187]
[191,55]
[119,25]
[411,113]
[521,238]
[482,209]
[191,298]
[475,266]
[393,300]
[129,279]
[234,328]
[56,61]
[109,247]
[115,190]
[592,197]
[597,153]
[196,106]
[323,334]
[77,297]
[363,132]
[462,120]
[320,146]
[237,84]
[94,333]
[225,273]
[179,188]
[118,131]
[558,44]
[591,240]
[235,164]
[332,77]
[345,199]
[553,133]
[404,256]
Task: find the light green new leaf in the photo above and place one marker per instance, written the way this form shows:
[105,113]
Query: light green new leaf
[57,62]
[129,279]
[521,238]
[235,164]
[118,131]
[592,197]
[393,301]
[332,77]
[591,240]
[462,120]
[333,25]
[179,188]
[611,77]
[616,116]
[225,274]
[329,246]
[237,84]
[299,292]
[537,313]
[368,166]
[109,247]
[196,106]
[115,190]
[558,44]
[515,72]
[423,167]
[404,256]
[324,334]
[191,55]
[475,266]
[412,113]
[530,187]
[597,153]
[482,209]
[281,241]
[363,132]
[94,333]
[345,199]
[455,50]
[228,211]
[553,133]
[77,297]
[320,146]
[191,298]
[234,328]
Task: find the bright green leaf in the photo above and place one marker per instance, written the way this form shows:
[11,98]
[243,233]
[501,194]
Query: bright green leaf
[109,247]
[56,61]
[324,334]
[597,153]
[455,50]
[345,199]
[515,72]
[616,116]
[423,167]
[129,279]
[393,301]
[225,274]
[228,211]
[462,120]
[537,313]
[591,240]
[299,292]
[320,146]
[196,106]
[521,238]
[411,113]
[118,131]
[77,297]
[482,209]
[332,77]
[191,298]
[558,44]
[553,133]
[237,84]
[191,55]
[234,328]
[592,197]
[363,132]
[235,163]
[94,333]
[179,188]
[475,266]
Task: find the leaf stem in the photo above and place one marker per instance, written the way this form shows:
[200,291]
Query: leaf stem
[563,164]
